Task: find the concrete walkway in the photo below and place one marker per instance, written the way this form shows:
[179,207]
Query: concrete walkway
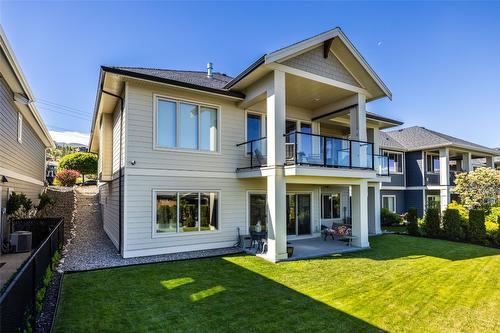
[90,247]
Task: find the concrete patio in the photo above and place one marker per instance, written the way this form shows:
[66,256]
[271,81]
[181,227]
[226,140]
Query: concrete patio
[314,247]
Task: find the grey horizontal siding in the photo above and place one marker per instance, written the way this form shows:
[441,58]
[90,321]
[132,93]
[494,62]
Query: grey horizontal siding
[31,190]
[414,199]
[432,179]
[26,158]
[414,168]
[396,180]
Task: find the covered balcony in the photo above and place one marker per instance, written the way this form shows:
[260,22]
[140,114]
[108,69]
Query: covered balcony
[315,150]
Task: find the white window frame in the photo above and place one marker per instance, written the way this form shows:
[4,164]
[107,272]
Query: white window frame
[311,222]
[262,119]
[402,161]
[19,127]
[247,207]
[427,165]
[177,101]
[394,198]
[156,234]
[340,202]
[427,196]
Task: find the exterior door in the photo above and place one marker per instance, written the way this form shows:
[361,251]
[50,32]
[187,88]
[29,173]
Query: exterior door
[298,214]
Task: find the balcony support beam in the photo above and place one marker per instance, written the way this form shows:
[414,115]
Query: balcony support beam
[467,162]
[444,177]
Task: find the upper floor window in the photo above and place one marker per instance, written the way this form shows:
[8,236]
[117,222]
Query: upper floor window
[186,125]
[19,127]
[432,163]
[395,161]
[255,127]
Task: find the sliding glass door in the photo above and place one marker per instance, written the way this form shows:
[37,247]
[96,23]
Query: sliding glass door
[298,214]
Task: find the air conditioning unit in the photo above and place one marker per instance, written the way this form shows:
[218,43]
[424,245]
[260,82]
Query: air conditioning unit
[21,241]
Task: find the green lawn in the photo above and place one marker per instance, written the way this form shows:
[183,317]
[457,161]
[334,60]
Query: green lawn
[403,284]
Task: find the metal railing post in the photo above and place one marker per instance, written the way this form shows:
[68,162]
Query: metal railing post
[324,150]
[251,154]
[350,154]
[296,147]
[373,157]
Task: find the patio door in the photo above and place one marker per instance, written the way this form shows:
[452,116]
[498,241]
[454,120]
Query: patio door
[298,214]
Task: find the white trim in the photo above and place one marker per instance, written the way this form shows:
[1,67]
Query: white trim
[154,193]
[394,188]
[390,196]
[9,173]
[402,160]
[432,172]
[296,210]
[19,127]
[262,116]
[177,101]
[321,205]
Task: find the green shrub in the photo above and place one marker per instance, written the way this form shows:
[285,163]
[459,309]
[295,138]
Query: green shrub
[412,222]
[432,222]
[67,177]
[84,163]
[453,224]
[494,215]
[461,210]
[389,218]
[497,238]
[476,227]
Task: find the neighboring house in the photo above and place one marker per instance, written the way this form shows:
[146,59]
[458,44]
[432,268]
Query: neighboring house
[23,135]
[423,164]
[186,158]
[497,160]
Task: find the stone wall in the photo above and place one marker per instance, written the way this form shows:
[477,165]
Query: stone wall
[64,206]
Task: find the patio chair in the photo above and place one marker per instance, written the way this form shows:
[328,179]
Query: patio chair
[242,239]
[341,231]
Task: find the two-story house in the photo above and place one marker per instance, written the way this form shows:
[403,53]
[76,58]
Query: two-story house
[23,134]
[187,158]
[423,164]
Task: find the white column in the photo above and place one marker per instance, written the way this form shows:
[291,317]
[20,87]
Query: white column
[490,162]
[358,119]
[444,166]
[276,184]
[378,204]
[360,214]
[467,162]
[444,177]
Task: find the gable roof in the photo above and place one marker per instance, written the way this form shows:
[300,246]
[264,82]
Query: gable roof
[188,79]
[307,44]
[420,138]
[13,75]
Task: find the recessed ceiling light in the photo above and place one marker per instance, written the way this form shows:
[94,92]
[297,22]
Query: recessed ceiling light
[316,99]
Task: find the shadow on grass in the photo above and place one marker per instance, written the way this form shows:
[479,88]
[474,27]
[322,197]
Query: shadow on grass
[388,247]
[207,295]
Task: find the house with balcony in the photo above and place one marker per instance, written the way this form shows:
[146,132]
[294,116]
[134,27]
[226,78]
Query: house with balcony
[423,164]
[187,159]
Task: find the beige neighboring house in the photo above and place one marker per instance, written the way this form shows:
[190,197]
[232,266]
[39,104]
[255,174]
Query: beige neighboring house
[186,158]
[23,135]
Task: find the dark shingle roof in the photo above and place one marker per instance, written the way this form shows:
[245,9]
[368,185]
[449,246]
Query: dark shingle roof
[189,79]
[418,138]
[386,141]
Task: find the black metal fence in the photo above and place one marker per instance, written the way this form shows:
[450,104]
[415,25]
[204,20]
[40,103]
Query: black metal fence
[18,298]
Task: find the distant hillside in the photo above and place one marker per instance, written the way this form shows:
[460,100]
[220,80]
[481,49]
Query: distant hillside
[73,145]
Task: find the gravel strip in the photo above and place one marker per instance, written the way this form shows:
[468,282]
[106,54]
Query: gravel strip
[45,318]
[90,247]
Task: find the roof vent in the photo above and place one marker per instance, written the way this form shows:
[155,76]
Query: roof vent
[209,70]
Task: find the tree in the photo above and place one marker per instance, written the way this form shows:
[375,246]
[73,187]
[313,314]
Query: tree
[478,188]
[85,163]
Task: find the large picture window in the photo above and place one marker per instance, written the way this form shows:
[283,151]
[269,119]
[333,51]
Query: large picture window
[186,125]
[330,206]
[395,161]
[186,211]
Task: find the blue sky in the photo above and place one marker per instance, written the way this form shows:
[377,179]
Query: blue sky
[440,60]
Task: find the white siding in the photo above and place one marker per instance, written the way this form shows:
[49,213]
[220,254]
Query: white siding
[140,239]
[109,209]
[140,133]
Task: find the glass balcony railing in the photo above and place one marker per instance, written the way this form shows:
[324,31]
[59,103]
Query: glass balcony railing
[317,150]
